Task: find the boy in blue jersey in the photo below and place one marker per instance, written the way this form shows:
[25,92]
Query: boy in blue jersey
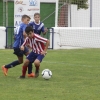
[37,25]
[20,35]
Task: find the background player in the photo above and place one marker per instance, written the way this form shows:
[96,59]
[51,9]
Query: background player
[38,50]
[37,25]
[19,39]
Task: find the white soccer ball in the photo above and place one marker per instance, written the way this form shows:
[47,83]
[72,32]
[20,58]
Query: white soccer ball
[46,74]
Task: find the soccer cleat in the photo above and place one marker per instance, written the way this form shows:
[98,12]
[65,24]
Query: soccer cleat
[31,75]
[36,74]
[22,77]
[5,70]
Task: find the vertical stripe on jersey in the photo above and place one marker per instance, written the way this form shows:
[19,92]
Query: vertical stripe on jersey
[37,49]
[41,49]
[42,24]
[41,39]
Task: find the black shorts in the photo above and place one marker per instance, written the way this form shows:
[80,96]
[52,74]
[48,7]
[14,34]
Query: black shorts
[19,52]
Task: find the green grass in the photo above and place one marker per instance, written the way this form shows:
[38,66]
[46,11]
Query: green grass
[76,76]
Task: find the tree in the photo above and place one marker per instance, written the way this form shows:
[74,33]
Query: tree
[81,4]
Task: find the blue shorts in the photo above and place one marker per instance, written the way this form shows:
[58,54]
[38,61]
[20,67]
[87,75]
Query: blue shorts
[33,56]
[19,52]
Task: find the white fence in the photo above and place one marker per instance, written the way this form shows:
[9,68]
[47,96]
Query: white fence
[2,37]
[71,38]
[74,17]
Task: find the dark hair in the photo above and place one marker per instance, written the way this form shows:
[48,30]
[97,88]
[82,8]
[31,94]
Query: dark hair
[37,14]
[25,16]
[28,29]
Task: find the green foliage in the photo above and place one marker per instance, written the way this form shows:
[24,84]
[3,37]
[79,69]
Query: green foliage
[82,4]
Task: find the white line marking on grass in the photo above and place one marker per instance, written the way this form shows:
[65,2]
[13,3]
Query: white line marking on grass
[65,63]
[55,62]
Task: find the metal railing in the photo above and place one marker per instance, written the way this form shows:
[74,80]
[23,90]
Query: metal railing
[10,37]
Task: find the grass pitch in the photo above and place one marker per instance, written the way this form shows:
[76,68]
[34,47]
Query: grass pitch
[76,76]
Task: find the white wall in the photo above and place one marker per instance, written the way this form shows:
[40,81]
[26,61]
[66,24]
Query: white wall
[81,17]
[2,37]
[96,13]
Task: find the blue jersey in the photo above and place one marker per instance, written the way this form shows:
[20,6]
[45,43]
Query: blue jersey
[38,28]
[19,39]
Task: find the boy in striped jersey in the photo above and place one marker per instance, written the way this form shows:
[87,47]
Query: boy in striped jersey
[36,42]
[38,28]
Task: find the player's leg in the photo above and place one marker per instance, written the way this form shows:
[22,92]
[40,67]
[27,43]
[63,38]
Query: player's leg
[37,64]
[24,68]
[29,59]
[19,54]
[30,74]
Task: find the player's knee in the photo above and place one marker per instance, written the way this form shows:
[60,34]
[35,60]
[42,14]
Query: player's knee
[37,62]
[26,62]
[20,62]
[20,59]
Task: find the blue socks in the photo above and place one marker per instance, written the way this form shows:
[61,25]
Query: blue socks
[13,64]
[30,68]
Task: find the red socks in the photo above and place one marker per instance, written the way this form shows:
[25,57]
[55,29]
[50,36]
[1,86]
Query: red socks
[24,69]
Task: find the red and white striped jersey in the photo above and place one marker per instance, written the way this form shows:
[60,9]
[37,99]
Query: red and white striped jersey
[36,43]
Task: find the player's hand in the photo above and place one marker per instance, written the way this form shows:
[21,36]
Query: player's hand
[45,30]
[29,46]
[22,48]
[43,53]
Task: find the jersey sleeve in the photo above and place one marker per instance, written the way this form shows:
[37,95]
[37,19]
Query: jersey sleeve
[40,39]
[24,28]
[25,42]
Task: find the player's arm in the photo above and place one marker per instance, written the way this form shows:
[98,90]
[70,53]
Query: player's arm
[46,47]
[24,34]
[45,41]
[24,44]
[44,29]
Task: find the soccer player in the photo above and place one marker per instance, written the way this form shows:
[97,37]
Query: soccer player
[38,28]
[19,39]
[37,25]
[38,50]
